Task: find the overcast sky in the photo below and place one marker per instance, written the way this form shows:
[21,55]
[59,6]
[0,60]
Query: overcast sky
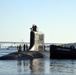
[55,18]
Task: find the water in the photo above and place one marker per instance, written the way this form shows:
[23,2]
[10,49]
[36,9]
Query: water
[38,66]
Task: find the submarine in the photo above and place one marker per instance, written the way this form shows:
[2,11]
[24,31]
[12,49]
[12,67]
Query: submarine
[36,45]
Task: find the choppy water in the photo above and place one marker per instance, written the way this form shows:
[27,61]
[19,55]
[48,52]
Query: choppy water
[39,66]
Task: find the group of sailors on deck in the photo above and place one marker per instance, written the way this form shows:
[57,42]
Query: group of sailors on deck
[34,28]
[22,48]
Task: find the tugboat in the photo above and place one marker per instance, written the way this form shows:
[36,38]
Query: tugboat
[60,52]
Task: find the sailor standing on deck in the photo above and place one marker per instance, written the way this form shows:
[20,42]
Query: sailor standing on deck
[35,28]
[24,47]
[20,49]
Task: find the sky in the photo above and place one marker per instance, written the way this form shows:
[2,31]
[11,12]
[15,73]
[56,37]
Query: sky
[55,18]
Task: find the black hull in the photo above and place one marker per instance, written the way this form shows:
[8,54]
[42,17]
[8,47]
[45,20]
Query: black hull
[58,52]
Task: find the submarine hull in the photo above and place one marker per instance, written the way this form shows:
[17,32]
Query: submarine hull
[58,52]
[22,56]
[17,56]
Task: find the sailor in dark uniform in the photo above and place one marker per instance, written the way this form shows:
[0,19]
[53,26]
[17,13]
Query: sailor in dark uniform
[20,49]
[35,28]
[24,47]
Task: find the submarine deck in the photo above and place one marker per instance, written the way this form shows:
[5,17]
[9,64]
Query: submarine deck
[45,53]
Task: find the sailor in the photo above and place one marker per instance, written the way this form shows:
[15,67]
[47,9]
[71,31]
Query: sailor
[35,28]
[24,47]
[20,49]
